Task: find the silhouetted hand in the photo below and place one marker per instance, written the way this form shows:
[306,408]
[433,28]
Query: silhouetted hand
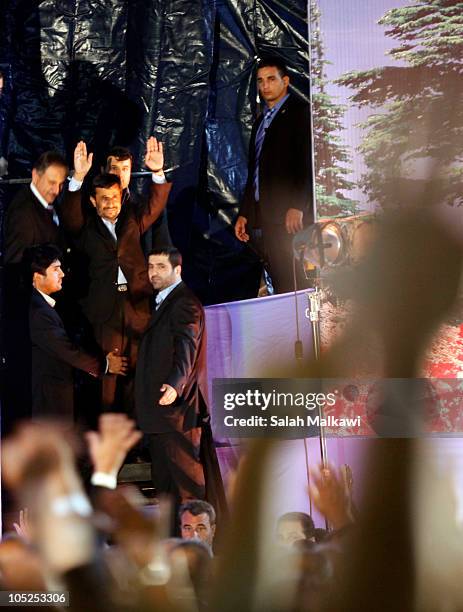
[329,496]
[109,445]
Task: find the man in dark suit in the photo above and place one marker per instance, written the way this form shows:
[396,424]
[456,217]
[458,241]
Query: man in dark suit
[278,194]
[53,354]
[117,303]
[31,218]
[170,384]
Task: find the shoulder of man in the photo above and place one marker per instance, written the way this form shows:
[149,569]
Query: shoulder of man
[23,198]
[182,294]
[40,312]
[37,301]
[297,104]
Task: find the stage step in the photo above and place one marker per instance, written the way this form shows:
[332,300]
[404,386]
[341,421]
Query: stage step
[135,472]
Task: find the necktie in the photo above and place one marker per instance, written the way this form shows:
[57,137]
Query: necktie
[260,136]
[51,212]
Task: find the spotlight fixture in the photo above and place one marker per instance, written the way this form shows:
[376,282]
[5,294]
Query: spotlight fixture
[331,244]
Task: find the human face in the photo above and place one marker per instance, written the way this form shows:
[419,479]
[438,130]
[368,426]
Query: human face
[51,281]
[49,182]
[197,527]
[272,86]
[121,167]
[289,532]
[108,202]
[161,273]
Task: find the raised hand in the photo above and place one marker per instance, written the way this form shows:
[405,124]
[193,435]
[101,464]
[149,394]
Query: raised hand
[23,527]
[109,445]
[117,364]
[154,158]
[35,451]
[38,463]
[329,496]
[82,161]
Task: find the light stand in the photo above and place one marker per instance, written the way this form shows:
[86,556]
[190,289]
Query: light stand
[313,314]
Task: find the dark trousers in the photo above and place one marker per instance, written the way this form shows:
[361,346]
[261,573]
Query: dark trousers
[117,332]
[275,247]
[176,468]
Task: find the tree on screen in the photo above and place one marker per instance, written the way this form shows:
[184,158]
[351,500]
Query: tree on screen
[331,156]
[417,131]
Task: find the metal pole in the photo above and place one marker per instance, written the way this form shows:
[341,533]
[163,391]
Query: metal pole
[313,314]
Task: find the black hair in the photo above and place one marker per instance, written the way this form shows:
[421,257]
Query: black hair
[174,255]
[197,507]
[47,159]
[40,256]
[272,61]
[104,181]
[120,153]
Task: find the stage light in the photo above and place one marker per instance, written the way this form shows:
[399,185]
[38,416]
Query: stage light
[331,244]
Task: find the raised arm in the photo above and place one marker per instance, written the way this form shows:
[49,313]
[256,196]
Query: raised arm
[72,215]
[160,189]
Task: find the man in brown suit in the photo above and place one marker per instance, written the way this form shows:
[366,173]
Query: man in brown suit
[117,303]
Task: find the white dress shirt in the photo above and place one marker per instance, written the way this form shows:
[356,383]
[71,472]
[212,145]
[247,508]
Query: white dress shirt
[47,298]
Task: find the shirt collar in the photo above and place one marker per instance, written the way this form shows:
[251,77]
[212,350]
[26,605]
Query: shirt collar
[39,196]
[49,300]
[277,106]
[109,224]
[161,296]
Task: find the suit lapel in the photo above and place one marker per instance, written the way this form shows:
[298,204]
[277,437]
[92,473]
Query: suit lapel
[40,302]
[172,295]
[122,219]
[105,234]
[279,117]
[44,216]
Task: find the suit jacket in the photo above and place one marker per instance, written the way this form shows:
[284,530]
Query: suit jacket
[172,351]
[104,255]
[285,168]
[53,358]
[28,223]
[159,236]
